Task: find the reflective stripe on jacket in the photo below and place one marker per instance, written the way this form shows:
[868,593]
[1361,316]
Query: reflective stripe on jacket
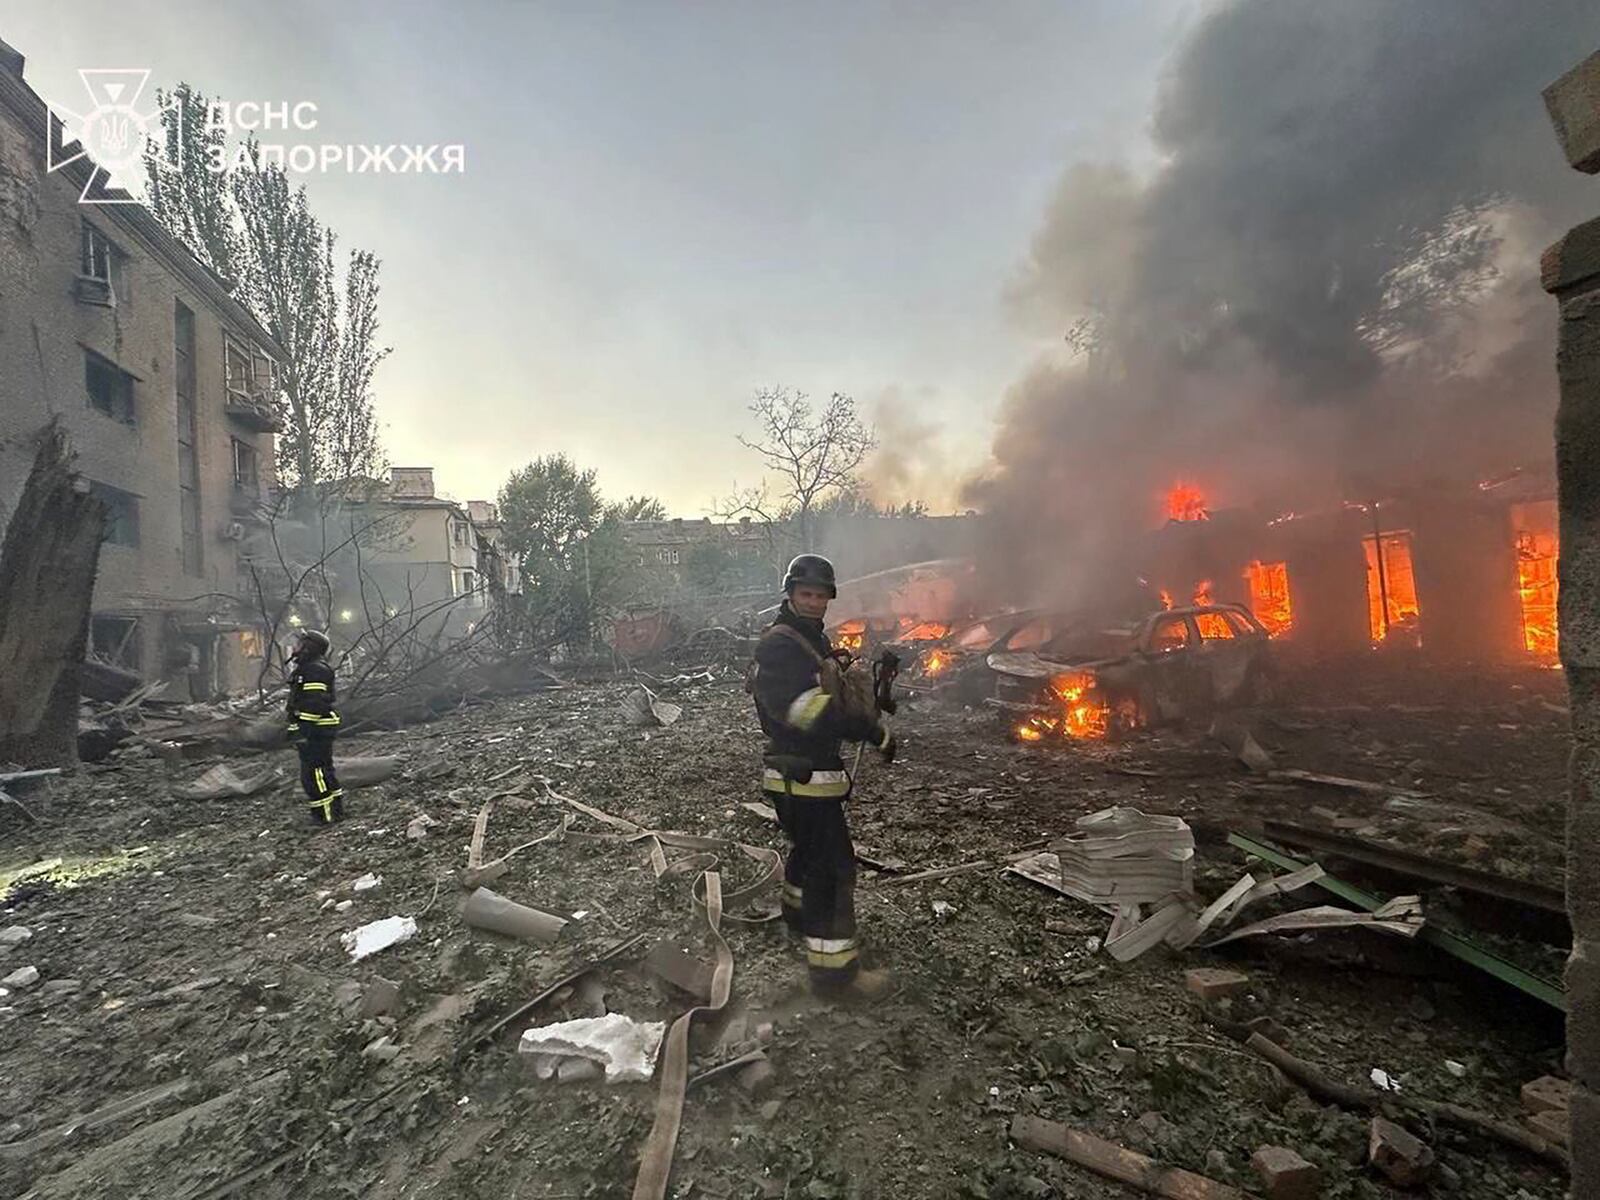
[311,697]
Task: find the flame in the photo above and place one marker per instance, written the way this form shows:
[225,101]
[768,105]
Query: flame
[1269,596]
[1166,598]
[1202,593]
[934,662]
[850,635]
[1186,502]
[927,631]
[1398,581]
[1078,714]
[1538,551]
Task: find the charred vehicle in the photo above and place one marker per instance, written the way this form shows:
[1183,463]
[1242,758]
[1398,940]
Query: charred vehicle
[1079,679]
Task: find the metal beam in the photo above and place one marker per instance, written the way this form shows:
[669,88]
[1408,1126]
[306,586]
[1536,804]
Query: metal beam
[1407,862]
[1452,944]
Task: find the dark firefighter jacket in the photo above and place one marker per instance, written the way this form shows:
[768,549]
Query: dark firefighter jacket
[802,721]
[311,697]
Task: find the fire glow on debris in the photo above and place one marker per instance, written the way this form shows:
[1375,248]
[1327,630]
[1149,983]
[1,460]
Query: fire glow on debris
[850,635]
[1186,502]
[1269,596]
[926,631]
[935,662]
[1076,715]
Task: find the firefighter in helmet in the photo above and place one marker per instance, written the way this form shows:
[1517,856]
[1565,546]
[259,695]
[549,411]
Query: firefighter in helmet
[313,724]
[805,778]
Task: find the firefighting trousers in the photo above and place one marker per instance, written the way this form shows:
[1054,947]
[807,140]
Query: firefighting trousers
[819,883]
[323,792]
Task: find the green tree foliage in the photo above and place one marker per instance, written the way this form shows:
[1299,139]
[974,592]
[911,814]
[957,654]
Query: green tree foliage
[260,236]
[577,565]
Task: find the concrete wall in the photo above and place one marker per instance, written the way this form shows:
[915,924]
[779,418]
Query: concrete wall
[44,333]
[1571,271]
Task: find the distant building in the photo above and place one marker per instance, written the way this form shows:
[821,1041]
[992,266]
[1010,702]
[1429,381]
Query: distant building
[423,559]
[688,555]
[165,385]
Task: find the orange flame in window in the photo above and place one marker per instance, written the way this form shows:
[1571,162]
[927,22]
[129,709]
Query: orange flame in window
[1186,502]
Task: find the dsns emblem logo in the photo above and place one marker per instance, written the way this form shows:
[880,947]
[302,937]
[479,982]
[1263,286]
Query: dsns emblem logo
[113,133]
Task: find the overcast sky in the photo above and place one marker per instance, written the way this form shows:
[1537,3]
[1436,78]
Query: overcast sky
[668,204]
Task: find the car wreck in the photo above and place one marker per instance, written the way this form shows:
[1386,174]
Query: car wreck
[1056,677]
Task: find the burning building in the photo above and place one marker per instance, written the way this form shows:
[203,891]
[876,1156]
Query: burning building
[1462,573]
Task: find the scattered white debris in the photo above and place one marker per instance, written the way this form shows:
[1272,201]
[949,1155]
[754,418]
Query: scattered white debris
[344,906]
[14,935]
[366,883]
[378,935]
[1459,1070]
[1384,1080]
[943,909]
[624,1047]
[420,824]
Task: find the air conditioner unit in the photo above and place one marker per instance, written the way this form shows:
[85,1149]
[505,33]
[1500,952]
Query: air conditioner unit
[233,531]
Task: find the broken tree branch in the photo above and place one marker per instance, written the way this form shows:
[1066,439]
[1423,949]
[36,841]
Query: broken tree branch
[1324,1087]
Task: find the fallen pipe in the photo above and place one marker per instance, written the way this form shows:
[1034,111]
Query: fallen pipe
[493,912]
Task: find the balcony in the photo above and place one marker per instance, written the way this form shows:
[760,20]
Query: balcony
[252,410]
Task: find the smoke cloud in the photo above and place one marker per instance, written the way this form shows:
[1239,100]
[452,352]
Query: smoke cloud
[1328,284]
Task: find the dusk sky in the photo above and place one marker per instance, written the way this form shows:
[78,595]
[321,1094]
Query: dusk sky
[667,205]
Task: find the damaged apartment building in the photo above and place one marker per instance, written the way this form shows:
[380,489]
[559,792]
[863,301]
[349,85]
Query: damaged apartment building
[163,383]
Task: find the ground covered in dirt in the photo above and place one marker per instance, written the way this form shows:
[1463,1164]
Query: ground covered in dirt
[197,1031]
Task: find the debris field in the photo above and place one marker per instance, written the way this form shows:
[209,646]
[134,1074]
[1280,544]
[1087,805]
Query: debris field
[185,1016]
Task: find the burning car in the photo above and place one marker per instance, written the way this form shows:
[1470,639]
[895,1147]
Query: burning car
[1080,679]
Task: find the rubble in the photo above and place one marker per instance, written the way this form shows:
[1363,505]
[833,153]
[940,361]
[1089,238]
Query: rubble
[625,1048]
[491,911]
[1285,1175]
[1115,1162]
[21,980]
[1547,1094]
[1211,984]
[1401,1157]
[956,797]
[377,935]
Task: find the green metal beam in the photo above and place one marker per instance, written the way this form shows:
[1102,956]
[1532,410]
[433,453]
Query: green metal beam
[1452,944]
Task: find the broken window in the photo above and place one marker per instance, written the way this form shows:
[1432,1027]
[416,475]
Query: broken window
[1032,635]
[97,254]
[1170,634]
[1213,626]
[238,368]
[122,514]
[1538,547]
[252,644]
[1269,596]
[1391,586]
[245,467]
[115,640]
[109,387]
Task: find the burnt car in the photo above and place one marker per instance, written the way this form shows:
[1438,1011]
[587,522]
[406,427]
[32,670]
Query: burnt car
[1101,679]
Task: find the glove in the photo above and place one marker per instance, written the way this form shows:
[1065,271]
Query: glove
[887,745]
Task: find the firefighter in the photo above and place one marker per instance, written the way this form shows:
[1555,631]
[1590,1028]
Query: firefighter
[804,776]
[313,724]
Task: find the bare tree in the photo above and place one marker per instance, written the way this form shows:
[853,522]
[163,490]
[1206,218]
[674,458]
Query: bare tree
[812,454]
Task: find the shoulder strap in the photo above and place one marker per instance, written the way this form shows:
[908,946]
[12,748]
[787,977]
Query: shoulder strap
[794,635]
